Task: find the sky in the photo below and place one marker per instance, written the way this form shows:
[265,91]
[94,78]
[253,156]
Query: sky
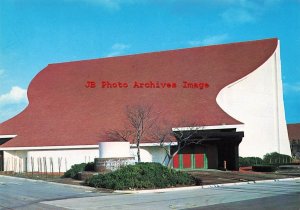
[35,33]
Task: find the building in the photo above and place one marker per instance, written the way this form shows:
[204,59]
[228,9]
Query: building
[229,91]
[294,137]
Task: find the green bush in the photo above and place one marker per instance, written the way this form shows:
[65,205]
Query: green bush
[295,164]
[249,161]
[276,158]
[273,158]
[90,166]
[74,170]
[264,168]
[141,176]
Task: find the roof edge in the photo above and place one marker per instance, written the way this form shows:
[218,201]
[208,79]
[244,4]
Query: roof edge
[238,127]
[162,51]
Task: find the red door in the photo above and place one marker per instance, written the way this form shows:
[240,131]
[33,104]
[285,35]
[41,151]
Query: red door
[199,160]
[176,161]
[187,162]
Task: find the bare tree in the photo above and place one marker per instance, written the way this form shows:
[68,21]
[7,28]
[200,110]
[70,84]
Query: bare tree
[119,135]
[45,166]
[177,137]
[32,165]
[59,164]
[140,119]
[51,166]
[143,123]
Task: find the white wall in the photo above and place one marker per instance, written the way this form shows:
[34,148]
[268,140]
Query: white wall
[16,160]
[257,101]
[150,154]
[114,149]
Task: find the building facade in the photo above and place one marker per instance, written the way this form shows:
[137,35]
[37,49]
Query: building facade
[232,91]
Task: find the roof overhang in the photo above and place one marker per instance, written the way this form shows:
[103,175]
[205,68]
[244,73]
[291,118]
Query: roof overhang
[165,144]
[219,133]
[50,147]
[7,136]
[80,147]
[238,127]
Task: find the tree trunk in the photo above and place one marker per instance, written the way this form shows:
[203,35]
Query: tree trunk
[138,139]
[169,161]
[171,157]
[138,152]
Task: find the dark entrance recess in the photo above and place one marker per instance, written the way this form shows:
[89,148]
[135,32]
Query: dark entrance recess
[213,148]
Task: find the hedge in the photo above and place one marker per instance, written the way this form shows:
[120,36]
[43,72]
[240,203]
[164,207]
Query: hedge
[264,168]
[75,169]
[249,161]
[90,166]
[141,176]
[276,158]
[273,158]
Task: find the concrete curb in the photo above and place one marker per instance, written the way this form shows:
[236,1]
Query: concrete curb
[204,186]
[57,183]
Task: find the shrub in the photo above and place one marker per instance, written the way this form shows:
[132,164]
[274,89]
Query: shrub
[90,166]
[249,161]
[264,168]
[276,158]
[295,164]
[141,176]
[75,169]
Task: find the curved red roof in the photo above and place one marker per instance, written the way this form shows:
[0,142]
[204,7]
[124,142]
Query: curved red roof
[62,111]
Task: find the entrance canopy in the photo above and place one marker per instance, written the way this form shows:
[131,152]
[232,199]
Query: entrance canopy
[219,144]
